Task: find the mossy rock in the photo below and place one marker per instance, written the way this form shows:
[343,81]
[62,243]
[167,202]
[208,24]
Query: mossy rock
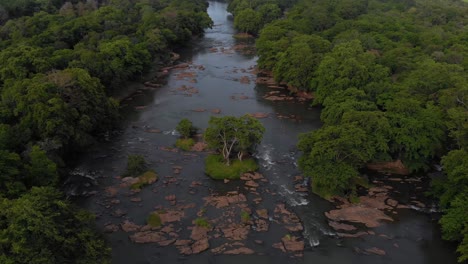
[154,220]
[146,178]
[185,143]
[216,168]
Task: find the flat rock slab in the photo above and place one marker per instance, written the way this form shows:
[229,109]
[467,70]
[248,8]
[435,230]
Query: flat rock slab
[371,217]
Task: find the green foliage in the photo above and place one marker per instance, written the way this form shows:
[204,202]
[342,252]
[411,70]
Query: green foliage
[186,128]
[185,144]
[234,135]
[245,216]
[41,170]
[136,165]
[154,220]
[218,170]
[145,179]
[248,20]
[41,227]
[202,222]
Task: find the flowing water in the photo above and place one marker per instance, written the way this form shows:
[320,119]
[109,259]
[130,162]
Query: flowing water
[412,238]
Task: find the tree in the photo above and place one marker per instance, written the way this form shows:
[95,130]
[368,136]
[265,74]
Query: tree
[41,170]
[234,135]
[186,128]
[40,227]
[248,20]
[332,155]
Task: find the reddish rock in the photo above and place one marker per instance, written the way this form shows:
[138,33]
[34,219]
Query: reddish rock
[376,251]
[185,250]
[294,228]
[354,235]
[199,233]
[216,111]
[135,199]
[119,213]
[371,217]
[238,251]
[200,246]
[257,176]
[111,191]
[340,226]
[199,110]
[128,226]
[259,115]
[262,225]
[165,243]
[392,202]
[199,146]
[236,232]
[170,198]
[171,216]
[251,184]
[279,246]
[301,188]
[258,242]
[153,131]
[292,244]
[263,213]
[182,242]
[147,237]
[111,228]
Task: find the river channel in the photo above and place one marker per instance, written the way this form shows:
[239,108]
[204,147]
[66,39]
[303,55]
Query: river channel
[219,80]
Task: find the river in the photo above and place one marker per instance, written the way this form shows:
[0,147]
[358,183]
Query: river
[211,84]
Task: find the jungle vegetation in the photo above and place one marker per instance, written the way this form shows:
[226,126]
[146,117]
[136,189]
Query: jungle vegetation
[60,61]
[393,82]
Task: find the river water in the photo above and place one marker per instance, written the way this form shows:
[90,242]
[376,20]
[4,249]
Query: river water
[150,117]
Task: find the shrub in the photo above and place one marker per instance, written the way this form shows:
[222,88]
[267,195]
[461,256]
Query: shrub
[202,222]
[185,143]
[145,179]
[186,128]
[136,165]
[245,216]
[154,220]
[216,168]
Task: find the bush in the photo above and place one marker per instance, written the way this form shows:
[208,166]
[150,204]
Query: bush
[245,216]
[136,165]
[185,143]
[202,222]
[154,220]
[186,128]
[217,169]
[145,179]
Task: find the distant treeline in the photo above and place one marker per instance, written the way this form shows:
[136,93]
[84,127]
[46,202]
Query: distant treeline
[392,78]
[59,61]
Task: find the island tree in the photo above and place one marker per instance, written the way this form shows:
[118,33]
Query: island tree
[234,136]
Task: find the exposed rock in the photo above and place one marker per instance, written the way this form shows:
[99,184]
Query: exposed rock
[341,226]
[182,242]
[279,246]
[135,199]
[292,244]
[377,251]
[238,251]
[111,228]
[294,228]
[199,110]
[259,115]
[371,217]
[200,246]
[244,79]
[119,213]
[258,242]
[170,198]
[153,131]
[128,226]
[263,213]
[171,216]
[262,225]
[185,250]
[301,188]
[392,202]
[216,111]
[199,233]
[251,184]
[147,237]
[236,232]
[199,146]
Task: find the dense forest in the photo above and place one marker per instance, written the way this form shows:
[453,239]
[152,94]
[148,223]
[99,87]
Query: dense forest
[393,82]
[59,63]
